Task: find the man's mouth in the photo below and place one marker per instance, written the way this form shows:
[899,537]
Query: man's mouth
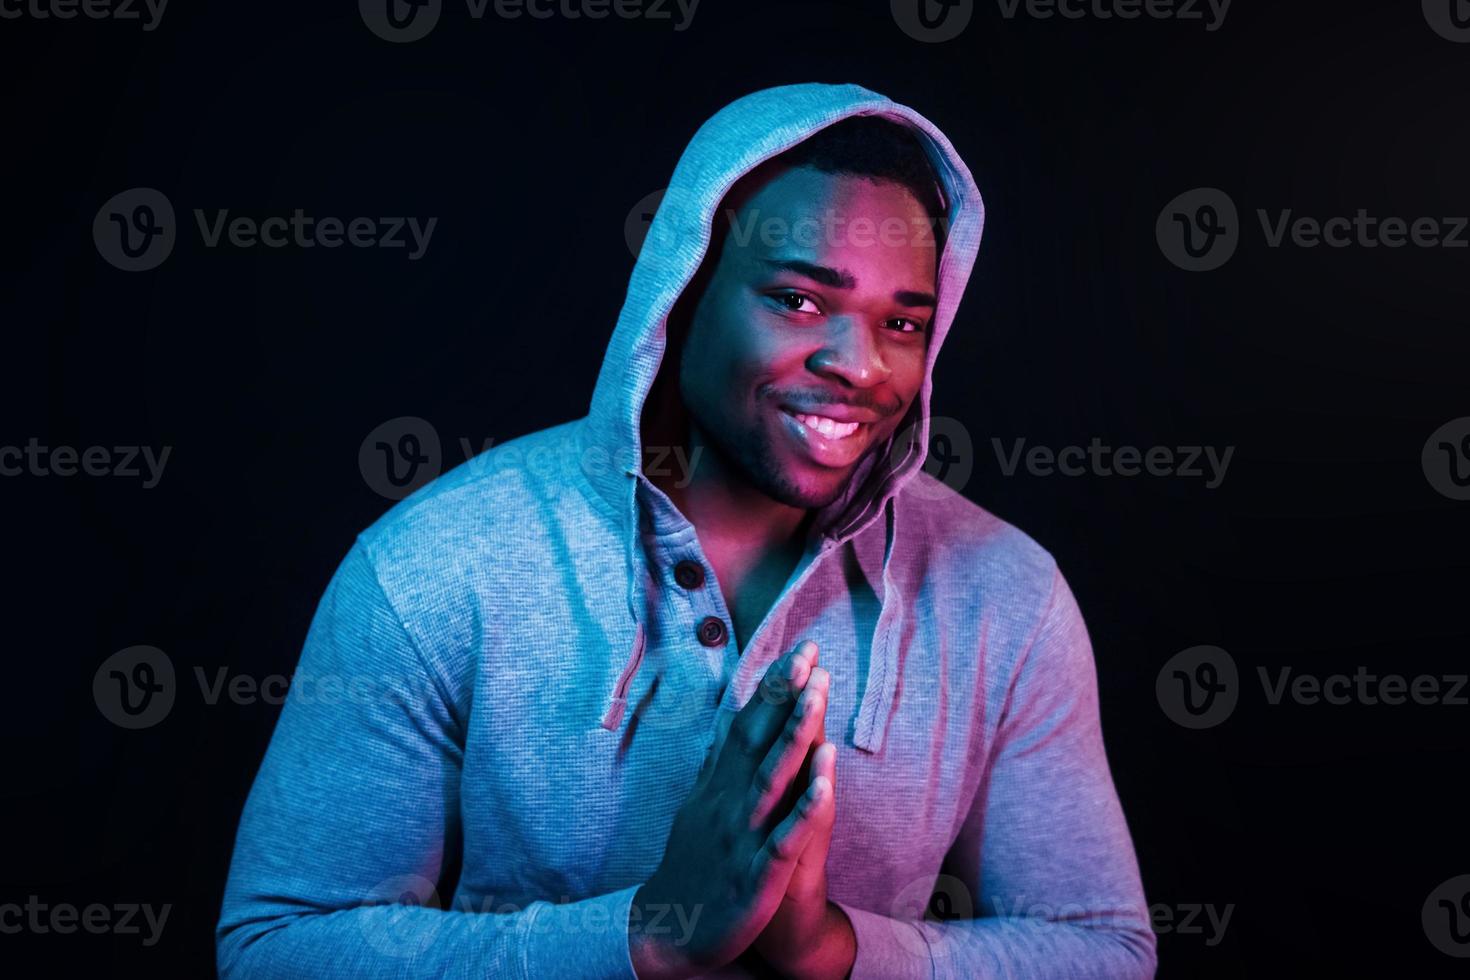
[825,440]
[831,428]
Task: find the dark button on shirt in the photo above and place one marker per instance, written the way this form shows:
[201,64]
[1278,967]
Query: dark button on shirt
[689,574]
[712,631]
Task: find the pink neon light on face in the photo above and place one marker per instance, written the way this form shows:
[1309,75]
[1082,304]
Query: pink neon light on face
[808,344]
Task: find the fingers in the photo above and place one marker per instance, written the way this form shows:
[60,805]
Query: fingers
[824,766]
[784,679]
[787,755]
[776,860]
[814,855]
[824,762]
[760,721]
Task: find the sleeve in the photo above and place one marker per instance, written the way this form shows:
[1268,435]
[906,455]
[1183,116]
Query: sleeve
[343,836]
[1043,868]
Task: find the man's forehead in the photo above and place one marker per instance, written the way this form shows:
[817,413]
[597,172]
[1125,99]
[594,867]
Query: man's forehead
[857,240]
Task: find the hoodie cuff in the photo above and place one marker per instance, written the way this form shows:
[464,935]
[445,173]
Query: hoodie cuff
[587,939]
[887,948]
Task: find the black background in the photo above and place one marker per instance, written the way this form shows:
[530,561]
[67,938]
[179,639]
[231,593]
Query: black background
[1325,548]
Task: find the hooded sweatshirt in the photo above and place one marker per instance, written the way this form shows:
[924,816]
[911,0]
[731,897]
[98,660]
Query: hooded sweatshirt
[508,687]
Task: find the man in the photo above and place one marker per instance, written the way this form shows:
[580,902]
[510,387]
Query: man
[714,681]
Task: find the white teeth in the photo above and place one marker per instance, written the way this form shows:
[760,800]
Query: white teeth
[831,428]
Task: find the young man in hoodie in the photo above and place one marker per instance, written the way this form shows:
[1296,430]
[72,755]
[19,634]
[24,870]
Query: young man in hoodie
[746,716]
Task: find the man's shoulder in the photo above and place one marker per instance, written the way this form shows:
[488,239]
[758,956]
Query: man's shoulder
[969,545]
[483,506]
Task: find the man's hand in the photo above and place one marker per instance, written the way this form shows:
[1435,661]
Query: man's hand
[808,936]
[733,846]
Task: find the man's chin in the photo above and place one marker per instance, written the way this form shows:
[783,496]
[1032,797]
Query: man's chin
[799,486]
[789,479]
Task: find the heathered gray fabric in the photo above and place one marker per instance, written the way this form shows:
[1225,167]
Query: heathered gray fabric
[524,686]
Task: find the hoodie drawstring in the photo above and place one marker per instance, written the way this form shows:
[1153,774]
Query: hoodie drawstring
[872,718]
[614,714]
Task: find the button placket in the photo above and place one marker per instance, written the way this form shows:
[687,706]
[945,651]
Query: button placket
[710,628]
[689,574]
[674,548]
[712,632]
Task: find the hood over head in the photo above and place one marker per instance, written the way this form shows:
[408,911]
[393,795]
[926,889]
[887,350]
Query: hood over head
[734,141]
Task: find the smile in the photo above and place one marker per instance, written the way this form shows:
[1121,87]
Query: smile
[825,441]
[831,428]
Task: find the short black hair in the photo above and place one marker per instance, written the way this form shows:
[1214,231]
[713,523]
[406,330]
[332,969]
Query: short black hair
[858,146]
[871,146]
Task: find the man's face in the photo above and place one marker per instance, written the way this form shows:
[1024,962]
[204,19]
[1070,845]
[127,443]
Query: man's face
[808,344]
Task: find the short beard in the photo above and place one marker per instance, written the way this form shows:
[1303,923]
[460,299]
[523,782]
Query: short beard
[758,466]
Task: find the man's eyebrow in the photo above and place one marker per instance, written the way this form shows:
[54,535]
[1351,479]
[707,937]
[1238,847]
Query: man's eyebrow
[836,278]
[908,297]
[842,279]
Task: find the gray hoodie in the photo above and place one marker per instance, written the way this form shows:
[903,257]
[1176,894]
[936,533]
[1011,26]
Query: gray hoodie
[523,689]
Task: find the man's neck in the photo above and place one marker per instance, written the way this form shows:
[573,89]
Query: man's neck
[727,511]
[752,541]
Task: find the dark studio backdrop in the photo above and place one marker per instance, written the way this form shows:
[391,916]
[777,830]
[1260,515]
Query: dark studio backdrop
[1277,835]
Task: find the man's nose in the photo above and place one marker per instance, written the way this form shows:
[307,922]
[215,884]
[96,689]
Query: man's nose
[850,354]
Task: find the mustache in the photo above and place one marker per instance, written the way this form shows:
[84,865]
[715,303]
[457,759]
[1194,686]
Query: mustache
[857,400]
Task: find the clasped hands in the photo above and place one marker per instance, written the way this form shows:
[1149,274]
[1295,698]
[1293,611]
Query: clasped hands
[749,846]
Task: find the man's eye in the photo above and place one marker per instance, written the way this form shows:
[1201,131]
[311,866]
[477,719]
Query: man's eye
[905,325]
[794,302]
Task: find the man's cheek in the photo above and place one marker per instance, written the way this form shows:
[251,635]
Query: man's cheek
[889,426]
